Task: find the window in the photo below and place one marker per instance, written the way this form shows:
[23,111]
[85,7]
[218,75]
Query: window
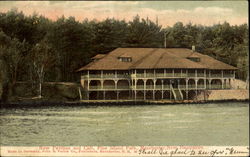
[125,59]
[195,59]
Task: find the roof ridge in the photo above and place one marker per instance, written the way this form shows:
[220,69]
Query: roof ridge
[160,58]
[141,59]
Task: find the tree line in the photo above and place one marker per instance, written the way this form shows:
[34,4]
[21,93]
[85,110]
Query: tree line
[36,49]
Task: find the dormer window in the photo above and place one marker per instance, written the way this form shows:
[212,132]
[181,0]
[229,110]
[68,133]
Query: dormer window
[195,59]
[125,59]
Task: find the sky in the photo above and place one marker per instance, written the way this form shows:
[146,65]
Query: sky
[168,12]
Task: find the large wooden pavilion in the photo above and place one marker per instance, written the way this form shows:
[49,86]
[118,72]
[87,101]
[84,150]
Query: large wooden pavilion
[154,74]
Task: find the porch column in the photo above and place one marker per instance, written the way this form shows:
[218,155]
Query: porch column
[154,73]
[101,73]
[173,72]
[222,74]
[101,84]
[88,79]
[164,72]
[116,84]
[222,83]
[144,73]
[104,95]
[196,81]
[154,89]
[195,73]
[129,92]
[135,94]
[205,83]
[170,91]
[186,84]
[181,72]
[209,83]
[226,83]
[234,74]
[154,84]
[209,73]
[135,81]
[87,95]
[186,88]
[144,87]
[115,73]
[162,87]
[117,95]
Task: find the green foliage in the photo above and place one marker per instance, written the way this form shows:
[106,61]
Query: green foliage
[144,33]
[73,43]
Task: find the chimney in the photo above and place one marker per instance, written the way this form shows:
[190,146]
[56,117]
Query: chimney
[193,48]
[156,21]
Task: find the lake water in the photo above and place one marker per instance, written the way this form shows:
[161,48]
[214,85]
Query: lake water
[197,124]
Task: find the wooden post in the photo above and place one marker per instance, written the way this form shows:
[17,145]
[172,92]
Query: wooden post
[196,81]
[205,83]
[80,93]
[170,92]
[154,89]
[187,89]
[209,83]
[222,83]
[135,94]
[117,95]
[144,87]
[154,84]
[88,79]
[116,84]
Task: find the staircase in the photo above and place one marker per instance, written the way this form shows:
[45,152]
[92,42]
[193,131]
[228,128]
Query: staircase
[176,93]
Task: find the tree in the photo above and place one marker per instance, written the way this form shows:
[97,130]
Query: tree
[71,40]
[41,58]
[12,53]
[144,33]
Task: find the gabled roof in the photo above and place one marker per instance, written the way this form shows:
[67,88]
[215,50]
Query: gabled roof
[98,56]
[193,55]
[155,58]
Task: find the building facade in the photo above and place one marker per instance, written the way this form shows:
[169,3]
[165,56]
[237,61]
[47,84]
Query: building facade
[153,74]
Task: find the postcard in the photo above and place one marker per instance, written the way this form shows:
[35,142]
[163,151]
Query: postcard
[124,78]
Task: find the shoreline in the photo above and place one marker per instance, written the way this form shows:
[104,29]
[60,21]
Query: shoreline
[110,103]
